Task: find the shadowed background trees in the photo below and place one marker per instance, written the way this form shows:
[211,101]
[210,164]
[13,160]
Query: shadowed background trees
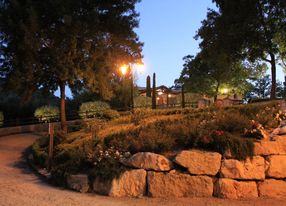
[235,40]
[51,44]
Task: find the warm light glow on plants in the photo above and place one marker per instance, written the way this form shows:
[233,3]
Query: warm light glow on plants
[225,90]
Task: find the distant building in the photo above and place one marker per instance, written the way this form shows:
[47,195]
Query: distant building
[164,95]
[228,100]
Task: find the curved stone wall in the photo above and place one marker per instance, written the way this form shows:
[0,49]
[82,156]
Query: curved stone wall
[196,173]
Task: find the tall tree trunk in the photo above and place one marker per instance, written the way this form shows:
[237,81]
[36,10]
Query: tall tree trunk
[216,91]
[63,107]
[273,76]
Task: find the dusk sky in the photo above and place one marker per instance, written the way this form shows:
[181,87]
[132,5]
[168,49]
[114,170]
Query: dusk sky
[167,28]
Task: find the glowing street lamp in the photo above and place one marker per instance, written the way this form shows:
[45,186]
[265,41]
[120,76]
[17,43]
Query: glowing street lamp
[124,69]
[225,90]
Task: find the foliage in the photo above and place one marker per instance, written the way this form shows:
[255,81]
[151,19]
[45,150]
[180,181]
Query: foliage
[244,30]
[142,101]
[207,73]
[223,142]
[261,89]
[161,131]
[47,113]
[154,96]
[13,108]
[40,150]
[1,118]
[70,47]
[280,116]
[231,121]
[97,109]
[148,86]
[107,164]
[189,97]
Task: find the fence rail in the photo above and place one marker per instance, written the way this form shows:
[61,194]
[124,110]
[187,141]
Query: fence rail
[74,115]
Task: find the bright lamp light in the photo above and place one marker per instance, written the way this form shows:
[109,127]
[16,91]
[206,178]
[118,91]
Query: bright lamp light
[124,69]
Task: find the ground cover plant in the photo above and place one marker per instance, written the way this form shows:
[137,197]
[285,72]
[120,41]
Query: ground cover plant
[99,147]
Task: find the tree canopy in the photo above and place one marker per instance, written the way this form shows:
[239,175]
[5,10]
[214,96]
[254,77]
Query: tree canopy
[242,33]
[54,43]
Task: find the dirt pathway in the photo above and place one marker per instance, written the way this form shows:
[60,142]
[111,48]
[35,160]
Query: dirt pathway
[19,186]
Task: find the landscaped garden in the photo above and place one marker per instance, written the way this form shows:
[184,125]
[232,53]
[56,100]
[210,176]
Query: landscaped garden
[103,142]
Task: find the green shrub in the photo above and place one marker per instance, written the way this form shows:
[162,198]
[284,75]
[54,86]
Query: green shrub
[106,163]
[40,150]
[47,113]
[1,119]
[221,142]
[97,109]
[141,101]
[231,122]
[77,126]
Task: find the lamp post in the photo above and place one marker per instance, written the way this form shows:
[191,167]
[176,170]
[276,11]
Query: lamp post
[128,68]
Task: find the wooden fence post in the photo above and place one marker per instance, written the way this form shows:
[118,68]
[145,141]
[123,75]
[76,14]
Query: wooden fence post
[51,144]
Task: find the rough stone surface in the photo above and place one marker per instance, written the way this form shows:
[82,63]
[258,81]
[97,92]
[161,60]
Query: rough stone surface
[277,166]
[131,183]
[272,188]
[78,182]
[264,147]
[250,169]
[199,162]
[149,161]
[232,189]
[176,184]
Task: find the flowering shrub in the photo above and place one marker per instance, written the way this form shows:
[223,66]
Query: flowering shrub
[255,131]
[47,113]
[106,163]
[280,116]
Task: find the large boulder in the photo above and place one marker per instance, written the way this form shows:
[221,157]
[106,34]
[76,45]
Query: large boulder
[232,189]
[78,182]
[272,188]
[249,169]
[199,162]
[149,161]
[277,166]
[131,183]
[264,147]
[176,184]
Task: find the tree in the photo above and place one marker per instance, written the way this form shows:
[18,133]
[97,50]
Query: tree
[246,30]
[53,44]
[148,86]
[154,92]
[261,88]
[208,73]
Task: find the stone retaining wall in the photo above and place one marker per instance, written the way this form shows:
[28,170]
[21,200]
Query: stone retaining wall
[196,173]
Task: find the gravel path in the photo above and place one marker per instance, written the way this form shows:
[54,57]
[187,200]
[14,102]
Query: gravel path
[19,186]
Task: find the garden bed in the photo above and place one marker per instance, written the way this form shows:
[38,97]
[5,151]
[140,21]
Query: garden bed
[99,150]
